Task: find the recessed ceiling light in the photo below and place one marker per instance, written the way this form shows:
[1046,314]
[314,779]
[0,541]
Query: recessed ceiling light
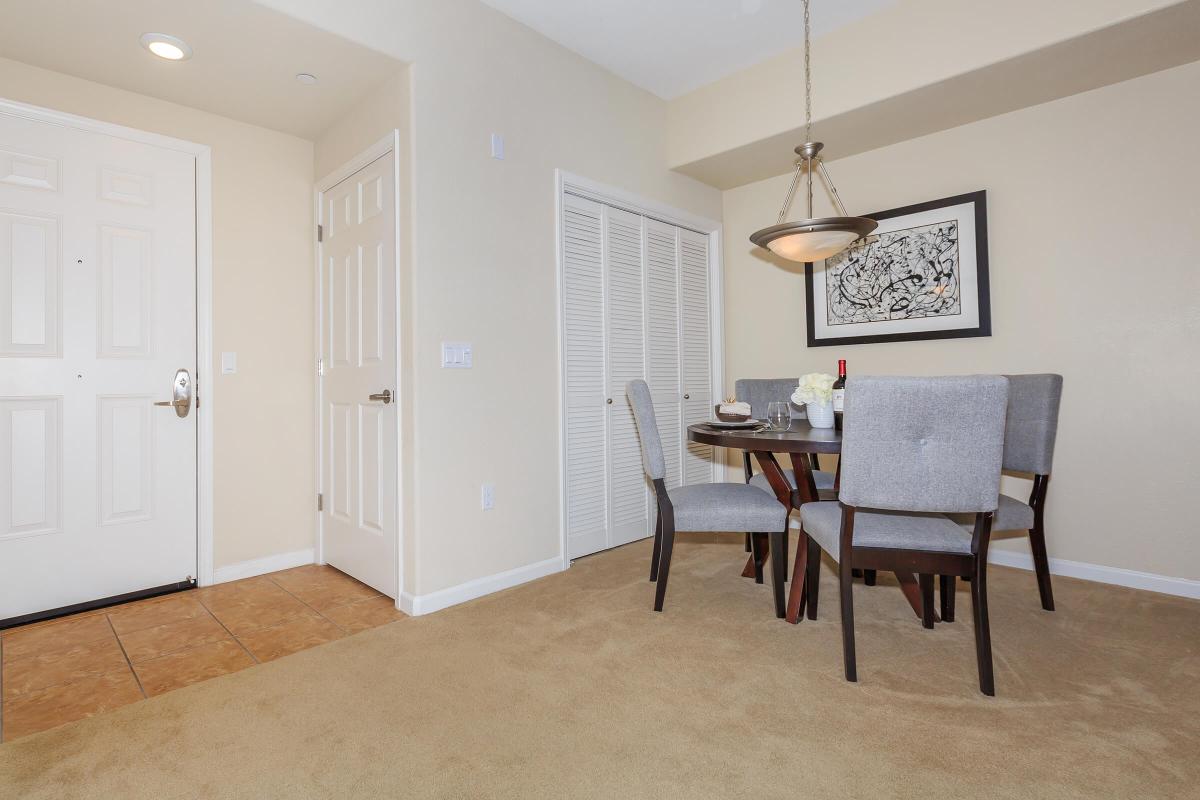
[306,79]
[171,48]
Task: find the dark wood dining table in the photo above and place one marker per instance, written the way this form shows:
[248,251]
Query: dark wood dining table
[798,443]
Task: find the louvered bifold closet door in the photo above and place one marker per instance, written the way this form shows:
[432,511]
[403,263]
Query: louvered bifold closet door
[628,509]
[695,351]
[584,376]
[662,339]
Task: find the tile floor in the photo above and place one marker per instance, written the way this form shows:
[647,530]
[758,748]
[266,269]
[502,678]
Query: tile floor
[67,669]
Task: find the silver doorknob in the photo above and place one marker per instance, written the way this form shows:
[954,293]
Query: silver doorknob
[181,393]
[687,397]
[384,397]
[609,401]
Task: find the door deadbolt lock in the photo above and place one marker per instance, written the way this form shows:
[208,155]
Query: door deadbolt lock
[384,397]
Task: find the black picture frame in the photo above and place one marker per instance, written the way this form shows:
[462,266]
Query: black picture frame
[984,328]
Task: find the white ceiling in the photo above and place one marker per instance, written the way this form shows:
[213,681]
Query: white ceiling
[671,47]
[244,65]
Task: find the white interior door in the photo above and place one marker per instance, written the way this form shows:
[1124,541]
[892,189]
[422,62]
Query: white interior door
[97,314]
[358,353]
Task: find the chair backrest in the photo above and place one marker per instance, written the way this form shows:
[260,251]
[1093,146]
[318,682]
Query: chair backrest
[1033,402]
[647,426]
[759,392]
[923,444]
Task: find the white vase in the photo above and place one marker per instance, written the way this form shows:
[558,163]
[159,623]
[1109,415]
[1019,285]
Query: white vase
[820,415]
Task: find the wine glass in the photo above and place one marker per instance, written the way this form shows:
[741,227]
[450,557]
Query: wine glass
[779,416]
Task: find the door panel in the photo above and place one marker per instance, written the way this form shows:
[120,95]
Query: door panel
[97,312]
[695,352]
[662,339]
[626,353]
[359,460]
[583,376]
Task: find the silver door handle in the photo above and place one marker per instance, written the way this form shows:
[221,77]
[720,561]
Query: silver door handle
[181,393]
[385,396]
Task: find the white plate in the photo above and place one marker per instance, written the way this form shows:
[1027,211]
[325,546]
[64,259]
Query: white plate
[750,423]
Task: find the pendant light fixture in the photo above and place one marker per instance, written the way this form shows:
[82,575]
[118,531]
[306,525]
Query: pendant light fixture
[811,239]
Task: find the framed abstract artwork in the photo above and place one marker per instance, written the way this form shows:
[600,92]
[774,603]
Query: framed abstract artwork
[923,274]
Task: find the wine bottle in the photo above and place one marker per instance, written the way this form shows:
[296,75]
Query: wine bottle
[839,393]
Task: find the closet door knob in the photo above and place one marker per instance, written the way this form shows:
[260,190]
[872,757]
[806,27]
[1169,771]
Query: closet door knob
[687,397]
[610,401]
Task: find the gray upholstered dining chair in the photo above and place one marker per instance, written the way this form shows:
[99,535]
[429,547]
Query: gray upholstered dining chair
[702,507]
[1029,436]
[913,450]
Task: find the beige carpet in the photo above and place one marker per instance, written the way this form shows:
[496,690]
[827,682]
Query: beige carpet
[572,687]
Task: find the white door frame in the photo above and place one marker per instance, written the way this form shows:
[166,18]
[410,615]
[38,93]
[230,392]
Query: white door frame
[204,385]
[388,144]
[609,195]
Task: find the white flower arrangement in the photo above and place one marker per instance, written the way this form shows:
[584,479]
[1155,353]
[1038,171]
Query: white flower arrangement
[815,387]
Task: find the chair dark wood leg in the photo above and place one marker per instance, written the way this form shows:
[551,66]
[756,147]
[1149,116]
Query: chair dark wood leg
[759,545]
[664,563]
[946,592]
[869,577]
[846,581]
[813,578]
[748,545]
[1041,564]
[926,582]
[983,634]
[657,549]
[779,569]
[856,573]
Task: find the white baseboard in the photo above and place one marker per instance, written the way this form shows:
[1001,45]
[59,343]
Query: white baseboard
[1164,584]
[261,566]
[1151,582]
[416,605]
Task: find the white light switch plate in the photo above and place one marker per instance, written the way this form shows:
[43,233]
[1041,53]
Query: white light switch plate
[456,355]
[498,146]
[228,363]
[487,497]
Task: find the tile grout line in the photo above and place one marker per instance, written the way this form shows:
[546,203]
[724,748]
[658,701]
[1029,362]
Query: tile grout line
[315,611]
[232,635]
[121,645]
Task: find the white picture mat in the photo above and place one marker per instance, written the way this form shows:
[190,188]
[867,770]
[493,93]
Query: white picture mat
[964,215]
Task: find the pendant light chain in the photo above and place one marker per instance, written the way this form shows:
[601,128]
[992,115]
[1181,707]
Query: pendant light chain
[791,192]
[807,75]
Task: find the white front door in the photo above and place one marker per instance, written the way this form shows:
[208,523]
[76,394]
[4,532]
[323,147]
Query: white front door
[358,355]
[97,315]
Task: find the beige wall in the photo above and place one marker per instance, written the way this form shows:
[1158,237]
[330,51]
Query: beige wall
[484,259]
[262,302]
[1094,225]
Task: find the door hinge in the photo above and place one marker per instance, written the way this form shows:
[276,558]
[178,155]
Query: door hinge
[320,502]
[320,368]
[320,233]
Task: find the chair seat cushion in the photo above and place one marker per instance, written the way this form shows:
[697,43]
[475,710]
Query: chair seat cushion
[897,530]
[1011,515]
[823,479]
[726,507]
